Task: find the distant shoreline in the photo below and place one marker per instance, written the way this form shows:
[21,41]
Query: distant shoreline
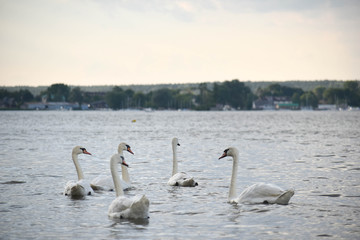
[145,88]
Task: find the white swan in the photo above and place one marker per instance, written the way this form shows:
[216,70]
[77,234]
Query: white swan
[81,188]
[121,206]
[257,193]
[106,183]
[179,178]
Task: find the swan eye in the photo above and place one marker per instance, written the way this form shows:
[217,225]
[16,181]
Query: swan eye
[83,149]
[226,150]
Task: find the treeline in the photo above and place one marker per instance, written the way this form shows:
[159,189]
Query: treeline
[348,95]
[204,96]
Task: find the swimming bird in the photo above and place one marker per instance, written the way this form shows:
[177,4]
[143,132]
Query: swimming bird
[259,193]
[179,178]
[136,207]
[81,188]
[104,182]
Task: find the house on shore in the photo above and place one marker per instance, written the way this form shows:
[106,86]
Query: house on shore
[51,106]
[275,103]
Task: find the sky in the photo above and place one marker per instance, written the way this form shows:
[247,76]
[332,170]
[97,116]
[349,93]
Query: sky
[123,42]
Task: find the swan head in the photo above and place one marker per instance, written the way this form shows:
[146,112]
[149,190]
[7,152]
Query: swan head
[124,147]
[80,150]
[231,151]
[175,142]
[122,161]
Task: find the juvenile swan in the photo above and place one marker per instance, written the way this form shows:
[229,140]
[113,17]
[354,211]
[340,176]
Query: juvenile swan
[124,207]
[179,178]
[257,193]
[105,183]
[81,188]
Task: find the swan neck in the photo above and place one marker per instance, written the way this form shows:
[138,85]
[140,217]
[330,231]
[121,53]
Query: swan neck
[232,191]
[114,173]
[175,164]
[77,166]
[124,170]
[125,174]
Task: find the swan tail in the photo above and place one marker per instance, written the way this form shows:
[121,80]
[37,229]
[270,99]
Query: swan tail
[140,207]
[285,197]
[96,188]
[77,191]
[188,182]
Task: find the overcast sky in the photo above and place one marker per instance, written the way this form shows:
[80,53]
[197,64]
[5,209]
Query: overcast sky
[120,42]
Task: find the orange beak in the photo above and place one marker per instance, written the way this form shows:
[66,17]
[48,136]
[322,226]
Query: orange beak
[86,152]
[129,150]
[125,164]
[222,156]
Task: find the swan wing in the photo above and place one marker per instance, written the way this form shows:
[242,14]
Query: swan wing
[285,197]
[86,185]
[140,207]
[102,182]
[173,181]
[106,183]
[119,205]
[69,185]
[182,179]
[78,189]
[124,207]
[261,193]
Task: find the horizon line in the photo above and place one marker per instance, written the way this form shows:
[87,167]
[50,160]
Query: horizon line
[152,84]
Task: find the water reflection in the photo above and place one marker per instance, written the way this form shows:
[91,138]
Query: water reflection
[132,222]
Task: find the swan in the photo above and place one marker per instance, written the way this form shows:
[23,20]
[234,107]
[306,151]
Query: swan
[256,193]
[179,178]
[106,182]
[81,188]
[124,207]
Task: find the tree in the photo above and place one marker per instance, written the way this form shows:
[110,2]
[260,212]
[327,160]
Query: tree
[352,93]
[319,92]
[162,98]
[116,98]
[206,98]
[76,96]
[309,99]
[129,98]
[296,98]
[140,99]
[58,92]
[334,96]
[235,94]
[184,100]
[276,90]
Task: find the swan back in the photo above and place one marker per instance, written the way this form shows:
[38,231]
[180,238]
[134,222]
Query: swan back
[134,208]
[265,193]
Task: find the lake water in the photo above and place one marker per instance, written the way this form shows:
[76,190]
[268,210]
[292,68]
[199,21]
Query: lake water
[316,153]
